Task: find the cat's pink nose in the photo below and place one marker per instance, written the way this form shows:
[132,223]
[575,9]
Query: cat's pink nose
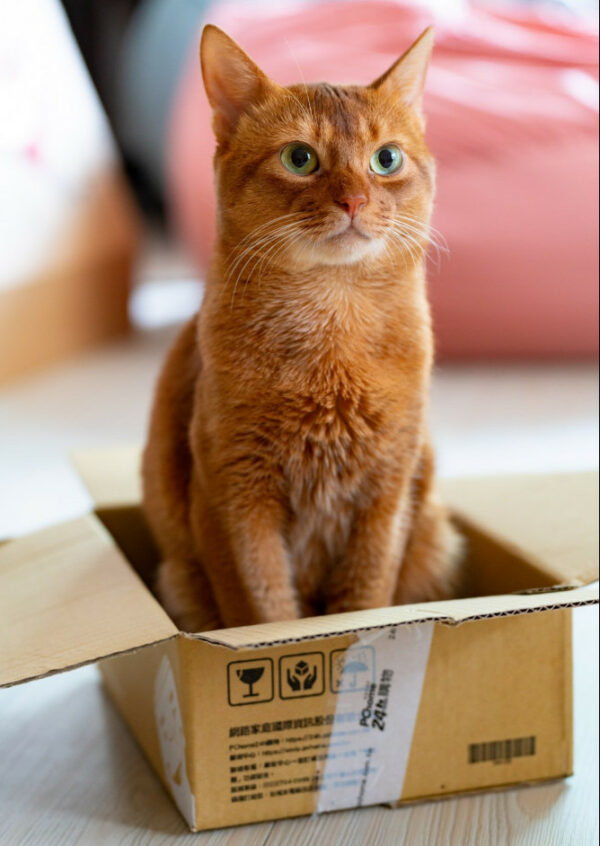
[353,204]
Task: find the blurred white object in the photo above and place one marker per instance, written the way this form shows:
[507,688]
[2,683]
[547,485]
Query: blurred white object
[163,302]
[54,137]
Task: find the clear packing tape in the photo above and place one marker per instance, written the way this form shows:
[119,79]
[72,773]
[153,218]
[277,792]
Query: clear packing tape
[379,682]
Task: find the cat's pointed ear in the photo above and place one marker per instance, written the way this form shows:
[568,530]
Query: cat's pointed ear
[231,79]
[406,77]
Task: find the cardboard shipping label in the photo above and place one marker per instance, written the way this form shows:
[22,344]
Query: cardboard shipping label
[378,683]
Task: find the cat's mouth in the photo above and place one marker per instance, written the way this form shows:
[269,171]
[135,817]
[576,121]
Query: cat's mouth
[350,233]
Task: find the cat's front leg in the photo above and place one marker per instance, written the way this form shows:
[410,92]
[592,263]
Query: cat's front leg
[367,574]
[263,566]
[247,562]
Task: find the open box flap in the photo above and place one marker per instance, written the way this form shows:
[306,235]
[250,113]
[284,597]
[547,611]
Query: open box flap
[550,519]
[111,475]
[69,597]
[450,612]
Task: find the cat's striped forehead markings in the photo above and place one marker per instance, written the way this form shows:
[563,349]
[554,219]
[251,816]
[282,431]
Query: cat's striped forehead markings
[337,116]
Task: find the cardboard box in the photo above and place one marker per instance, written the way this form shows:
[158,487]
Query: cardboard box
[384,706]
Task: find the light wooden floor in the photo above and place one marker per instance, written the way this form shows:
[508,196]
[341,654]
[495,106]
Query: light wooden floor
[70,772]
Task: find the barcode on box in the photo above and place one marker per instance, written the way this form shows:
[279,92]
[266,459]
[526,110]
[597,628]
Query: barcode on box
[501,751]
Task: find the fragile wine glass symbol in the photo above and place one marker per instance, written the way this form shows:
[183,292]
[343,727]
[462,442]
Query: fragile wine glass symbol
[250,676]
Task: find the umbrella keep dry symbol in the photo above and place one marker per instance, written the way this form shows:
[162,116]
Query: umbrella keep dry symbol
[352,669]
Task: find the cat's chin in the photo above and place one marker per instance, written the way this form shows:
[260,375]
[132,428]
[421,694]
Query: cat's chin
[349,247]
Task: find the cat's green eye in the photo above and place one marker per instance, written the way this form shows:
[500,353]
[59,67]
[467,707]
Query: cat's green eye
[299,159]
[387,159]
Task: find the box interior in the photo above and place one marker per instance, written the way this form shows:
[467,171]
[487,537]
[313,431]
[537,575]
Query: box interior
[492,568]
[504,520]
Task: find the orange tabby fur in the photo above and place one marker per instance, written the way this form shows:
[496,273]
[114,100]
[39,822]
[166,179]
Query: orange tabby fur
[288,469]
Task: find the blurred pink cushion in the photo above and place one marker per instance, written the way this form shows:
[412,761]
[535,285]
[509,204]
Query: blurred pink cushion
[511,105]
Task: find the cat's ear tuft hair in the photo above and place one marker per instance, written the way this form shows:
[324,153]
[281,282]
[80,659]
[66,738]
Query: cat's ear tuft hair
[406,77]
[231,79]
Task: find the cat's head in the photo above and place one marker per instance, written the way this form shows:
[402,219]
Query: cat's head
[319,174]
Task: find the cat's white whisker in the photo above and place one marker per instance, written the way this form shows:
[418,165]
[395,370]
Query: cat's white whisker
[308,103]
[258,231]
[254,252]
[255,244]
[287,240]
[406,244]
[408,231]
[416,230]
[435,237]
[272,252]
[419,250]
[256,234]
[302,106]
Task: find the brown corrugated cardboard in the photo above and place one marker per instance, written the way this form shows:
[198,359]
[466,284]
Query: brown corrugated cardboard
[493,680]
[264,722]
[516,509]
[68,597]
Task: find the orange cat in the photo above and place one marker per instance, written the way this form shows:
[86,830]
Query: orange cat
[288,470]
